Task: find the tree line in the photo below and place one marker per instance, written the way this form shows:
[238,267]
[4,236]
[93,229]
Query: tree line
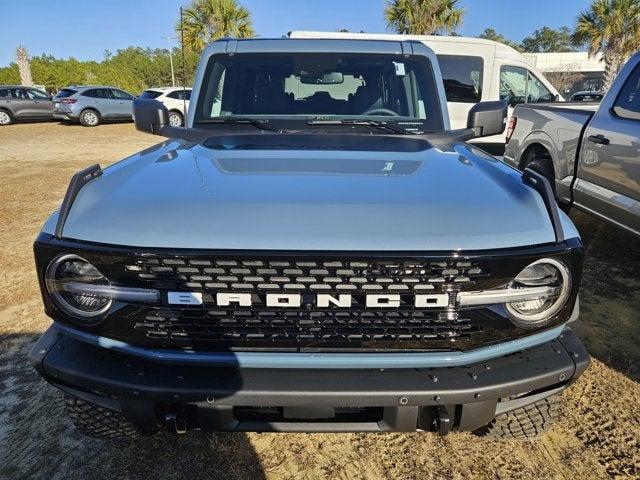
[609,27]
[133,69]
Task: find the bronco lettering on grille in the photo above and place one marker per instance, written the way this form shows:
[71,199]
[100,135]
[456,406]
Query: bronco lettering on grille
[295,300]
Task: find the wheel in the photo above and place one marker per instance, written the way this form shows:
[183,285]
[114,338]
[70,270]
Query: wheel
[89,118]
[5,118]
[525,422]
[98,422]
[175,119]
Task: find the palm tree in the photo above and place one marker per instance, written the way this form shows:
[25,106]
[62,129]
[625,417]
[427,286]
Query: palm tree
[423,17]
[24,66]
[207,20]
[610,27]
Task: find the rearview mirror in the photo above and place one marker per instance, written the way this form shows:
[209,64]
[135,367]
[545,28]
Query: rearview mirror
[328,78]
[150,116]
[488,118]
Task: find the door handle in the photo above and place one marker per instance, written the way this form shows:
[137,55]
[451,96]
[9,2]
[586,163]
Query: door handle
[599,139]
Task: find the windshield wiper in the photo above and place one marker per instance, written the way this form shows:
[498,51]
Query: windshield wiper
[261,124]
[367,123]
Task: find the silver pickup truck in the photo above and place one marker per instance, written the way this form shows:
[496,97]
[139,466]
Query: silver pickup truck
[589,153]
[316,250]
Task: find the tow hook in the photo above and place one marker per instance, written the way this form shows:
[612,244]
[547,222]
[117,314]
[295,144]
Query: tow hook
[176,424]
[441,421]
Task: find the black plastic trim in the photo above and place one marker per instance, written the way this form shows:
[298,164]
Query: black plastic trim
[78,181]
[543,187]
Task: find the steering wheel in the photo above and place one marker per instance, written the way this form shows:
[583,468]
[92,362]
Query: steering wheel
[381,111]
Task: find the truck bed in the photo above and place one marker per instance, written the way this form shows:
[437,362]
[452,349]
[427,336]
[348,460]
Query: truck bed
[554,127]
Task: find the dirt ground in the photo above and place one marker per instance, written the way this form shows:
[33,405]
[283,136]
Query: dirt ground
[598,436]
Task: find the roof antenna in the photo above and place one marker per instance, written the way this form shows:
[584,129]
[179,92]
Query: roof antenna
[184,76]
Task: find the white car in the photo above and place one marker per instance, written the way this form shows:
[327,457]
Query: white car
[176,99]
[473,70]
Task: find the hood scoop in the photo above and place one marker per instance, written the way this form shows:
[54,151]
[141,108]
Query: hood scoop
[326,166]
[319,141]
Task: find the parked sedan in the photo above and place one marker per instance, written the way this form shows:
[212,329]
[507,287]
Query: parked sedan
[176,99]
[23,103]
[92,105]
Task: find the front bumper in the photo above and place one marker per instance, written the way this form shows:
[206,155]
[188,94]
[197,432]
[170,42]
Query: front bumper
[215,398]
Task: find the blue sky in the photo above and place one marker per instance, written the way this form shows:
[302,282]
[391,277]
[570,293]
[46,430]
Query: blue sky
[84,29]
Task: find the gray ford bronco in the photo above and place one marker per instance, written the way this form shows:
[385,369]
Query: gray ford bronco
[316,250]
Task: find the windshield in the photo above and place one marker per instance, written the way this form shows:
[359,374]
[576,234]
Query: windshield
[392,88]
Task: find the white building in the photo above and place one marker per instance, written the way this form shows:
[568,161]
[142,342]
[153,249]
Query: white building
[588,70]
[569,61]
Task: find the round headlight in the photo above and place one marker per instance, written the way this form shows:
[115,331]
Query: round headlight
[534,312]
[65,277]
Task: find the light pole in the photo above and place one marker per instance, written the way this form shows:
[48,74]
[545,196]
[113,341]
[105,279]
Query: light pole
[173,77]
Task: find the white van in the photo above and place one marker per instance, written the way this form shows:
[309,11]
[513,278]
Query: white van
[473,70]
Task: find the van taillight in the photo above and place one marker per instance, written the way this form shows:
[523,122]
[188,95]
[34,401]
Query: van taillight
[68,100]
[513,121]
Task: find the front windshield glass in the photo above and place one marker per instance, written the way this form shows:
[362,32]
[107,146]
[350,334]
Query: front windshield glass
[392,88]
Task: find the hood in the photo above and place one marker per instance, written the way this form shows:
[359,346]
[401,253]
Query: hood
[374,193]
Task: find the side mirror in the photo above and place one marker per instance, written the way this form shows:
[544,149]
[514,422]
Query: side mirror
[488,118]
[150,116]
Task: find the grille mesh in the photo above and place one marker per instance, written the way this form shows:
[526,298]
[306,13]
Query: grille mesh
[308,327]
[403,327]
[309,276]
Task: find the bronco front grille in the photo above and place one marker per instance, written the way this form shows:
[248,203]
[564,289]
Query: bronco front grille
[262,327]
[211,325]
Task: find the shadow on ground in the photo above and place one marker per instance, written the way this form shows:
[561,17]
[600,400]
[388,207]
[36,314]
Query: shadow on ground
[609,322]
[37,441]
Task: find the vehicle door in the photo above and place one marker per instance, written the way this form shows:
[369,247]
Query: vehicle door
[609,169]
[42,104]
[22,105]
[98,99]
[123,103]
[179,100]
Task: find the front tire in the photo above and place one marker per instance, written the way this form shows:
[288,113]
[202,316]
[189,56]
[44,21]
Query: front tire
[176,119]
[98,422]
[545,168]
[5,118]
[523,423]
[89,118]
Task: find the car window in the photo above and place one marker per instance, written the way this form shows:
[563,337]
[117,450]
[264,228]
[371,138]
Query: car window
[20,93]
[519,85]
[513,84]
[65,92]
[627,104]
[5,93]
[37,94]
[462,76]
[180,94]
[150,94]
[102,93]
[536,91]
[120,95]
